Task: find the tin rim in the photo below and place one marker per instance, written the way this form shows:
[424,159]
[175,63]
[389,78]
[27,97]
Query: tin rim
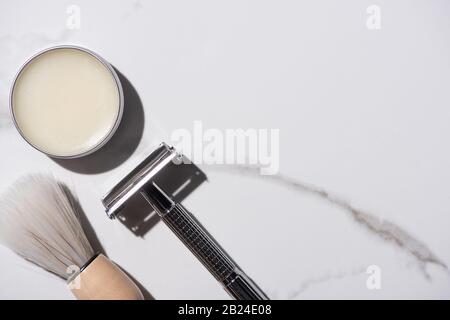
[108,66]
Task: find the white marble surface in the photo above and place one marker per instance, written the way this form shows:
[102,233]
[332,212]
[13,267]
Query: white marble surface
[364,123]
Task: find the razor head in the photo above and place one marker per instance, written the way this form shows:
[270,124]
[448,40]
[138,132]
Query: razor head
[136,180]
[170,170]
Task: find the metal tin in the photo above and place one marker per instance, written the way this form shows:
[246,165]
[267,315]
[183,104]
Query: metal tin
[119,88]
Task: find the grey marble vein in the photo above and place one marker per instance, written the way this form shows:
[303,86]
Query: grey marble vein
[12,44]
[136,6]
[384,229]
[306,284]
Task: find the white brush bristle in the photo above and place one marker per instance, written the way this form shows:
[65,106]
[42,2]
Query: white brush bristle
[40,222]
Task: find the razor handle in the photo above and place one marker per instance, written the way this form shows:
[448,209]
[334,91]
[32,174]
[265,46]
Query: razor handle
[203,246]
[213,257]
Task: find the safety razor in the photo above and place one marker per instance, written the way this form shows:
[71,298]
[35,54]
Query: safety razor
[142,180]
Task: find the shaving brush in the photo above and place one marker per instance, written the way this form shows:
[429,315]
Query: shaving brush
[40,221]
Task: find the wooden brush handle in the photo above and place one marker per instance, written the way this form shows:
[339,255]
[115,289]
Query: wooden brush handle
[103,280]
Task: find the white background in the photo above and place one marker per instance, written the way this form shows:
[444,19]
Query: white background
[363,114]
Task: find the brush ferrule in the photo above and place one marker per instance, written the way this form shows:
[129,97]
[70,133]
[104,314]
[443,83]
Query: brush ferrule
[102,279]
[84,266]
